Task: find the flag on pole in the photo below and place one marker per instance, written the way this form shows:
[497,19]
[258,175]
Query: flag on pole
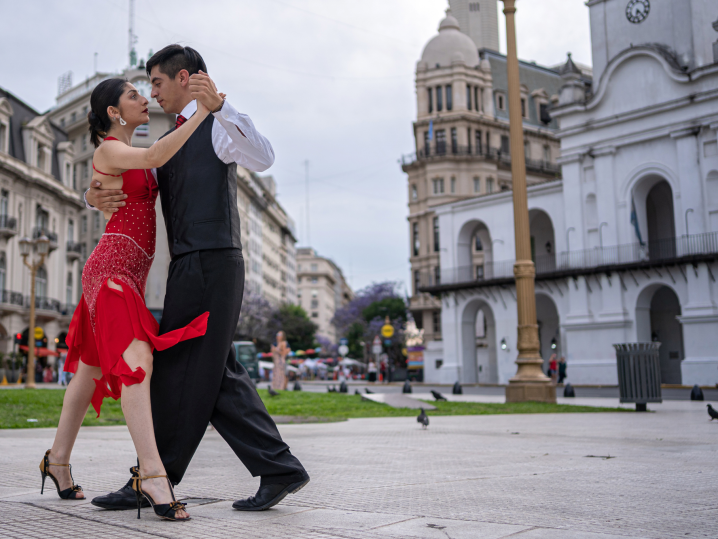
[634,222]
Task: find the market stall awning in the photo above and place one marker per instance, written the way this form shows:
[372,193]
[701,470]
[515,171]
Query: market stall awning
[40,352]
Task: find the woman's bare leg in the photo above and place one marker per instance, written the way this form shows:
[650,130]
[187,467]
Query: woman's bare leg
[74,407]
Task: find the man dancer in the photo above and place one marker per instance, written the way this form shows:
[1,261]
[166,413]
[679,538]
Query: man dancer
[200,381]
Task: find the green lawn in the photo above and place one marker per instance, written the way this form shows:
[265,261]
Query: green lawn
[19,405]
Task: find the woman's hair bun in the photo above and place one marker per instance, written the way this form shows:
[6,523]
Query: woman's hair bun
[106,94]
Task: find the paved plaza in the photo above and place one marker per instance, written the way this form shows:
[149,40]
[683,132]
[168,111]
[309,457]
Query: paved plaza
[518,476]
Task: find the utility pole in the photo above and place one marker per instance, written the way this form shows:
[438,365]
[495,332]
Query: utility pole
[530,383]
[306,181]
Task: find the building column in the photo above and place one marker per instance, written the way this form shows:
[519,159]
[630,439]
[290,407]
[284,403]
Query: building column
[573,206]
[690,182]
[606,194]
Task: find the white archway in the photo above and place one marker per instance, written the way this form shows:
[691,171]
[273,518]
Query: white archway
[549,327]
[478,352]
[657,310]
[468,257]
[543,241]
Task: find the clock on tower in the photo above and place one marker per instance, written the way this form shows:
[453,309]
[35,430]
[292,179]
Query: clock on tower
[637,10]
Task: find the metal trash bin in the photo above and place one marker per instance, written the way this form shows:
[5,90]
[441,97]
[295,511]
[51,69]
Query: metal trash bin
[639,373]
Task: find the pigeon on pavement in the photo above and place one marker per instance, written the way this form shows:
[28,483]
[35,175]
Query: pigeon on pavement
[438,396]
[423,419]
[272,393]
[366,389]
[712,412]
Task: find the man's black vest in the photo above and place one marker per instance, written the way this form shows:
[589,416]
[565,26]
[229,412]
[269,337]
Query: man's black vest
[199,196]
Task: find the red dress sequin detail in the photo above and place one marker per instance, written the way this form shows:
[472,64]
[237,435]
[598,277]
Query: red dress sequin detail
[107,320]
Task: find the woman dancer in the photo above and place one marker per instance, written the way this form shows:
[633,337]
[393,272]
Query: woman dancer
[112,334]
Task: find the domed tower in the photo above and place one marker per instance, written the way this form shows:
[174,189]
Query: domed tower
[462,151]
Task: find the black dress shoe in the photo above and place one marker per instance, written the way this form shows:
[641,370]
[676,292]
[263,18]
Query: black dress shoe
[268,496]
[120,500]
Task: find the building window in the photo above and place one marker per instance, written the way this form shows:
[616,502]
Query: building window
[315,280]
[547,153]
[453,185]
[314,267]
[431,100]
[439,99]
[417,281]
[478,142]
[441,141]
[437,275]
[41,282]
[477,105]
[73,117]
[543,112]
[438,186]
[436,234]
[3,137]
[84,224]
[414,192]
[468,139]
[474,6]
[505,147]
[315,315]
[427,147]
[96,220]
[523,108]
[70,230]
[477,185]
[479,273]
[68,290]
[468,97]
[42,219]
[84,143]
[436,320]
[527,149]
[488,142]
[415,244]
[449,98]
[500,101]
[3,268]
[4,204]
[454,141]
[489,185]
[315,304]
[477,243]
[315,292]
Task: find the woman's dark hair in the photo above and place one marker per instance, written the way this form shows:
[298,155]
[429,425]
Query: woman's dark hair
[174,58]
[106,94]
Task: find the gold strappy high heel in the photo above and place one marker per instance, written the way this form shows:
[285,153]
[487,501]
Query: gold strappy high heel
[166,511]
[68,493]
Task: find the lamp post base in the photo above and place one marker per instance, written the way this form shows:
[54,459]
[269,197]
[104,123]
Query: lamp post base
[531,391]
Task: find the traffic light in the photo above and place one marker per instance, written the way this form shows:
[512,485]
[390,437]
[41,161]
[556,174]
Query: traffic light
[18,338]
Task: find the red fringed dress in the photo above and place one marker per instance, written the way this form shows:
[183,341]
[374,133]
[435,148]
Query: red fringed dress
[107,320]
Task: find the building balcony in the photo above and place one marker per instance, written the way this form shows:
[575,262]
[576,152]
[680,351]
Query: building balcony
[619,258]
[8,226]
[11,300]
[443,151]
[39,231]
[74,250]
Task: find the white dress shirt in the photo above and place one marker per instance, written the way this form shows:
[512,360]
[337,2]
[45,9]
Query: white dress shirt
[234,139]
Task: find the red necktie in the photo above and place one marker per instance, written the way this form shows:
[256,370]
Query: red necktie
[180,120]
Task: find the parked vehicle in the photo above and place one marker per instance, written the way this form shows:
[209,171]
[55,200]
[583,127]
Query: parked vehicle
[247,356]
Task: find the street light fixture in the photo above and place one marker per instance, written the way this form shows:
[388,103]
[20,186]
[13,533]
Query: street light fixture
[530,382]
[42,246]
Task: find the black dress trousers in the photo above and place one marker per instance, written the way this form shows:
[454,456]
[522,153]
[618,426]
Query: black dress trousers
[200,381]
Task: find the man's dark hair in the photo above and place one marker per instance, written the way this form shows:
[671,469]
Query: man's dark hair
[174,58]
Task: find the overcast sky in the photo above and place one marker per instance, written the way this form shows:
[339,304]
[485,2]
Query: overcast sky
[328,81]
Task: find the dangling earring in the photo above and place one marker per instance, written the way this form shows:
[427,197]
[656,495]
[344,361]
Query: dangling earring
[122,122]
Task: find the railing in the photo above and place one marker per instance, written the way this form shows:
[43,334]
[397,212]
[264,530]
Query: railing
[39,231]
[8,223]
[441,150]
[45,303]
[653,252]
[12,298]
[74,248]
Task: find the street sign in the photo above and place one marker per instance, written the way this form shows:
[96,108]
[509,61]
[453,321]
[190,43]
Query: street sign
[343,349]
[387,331]
[39,333]
[344,341]
[376,345]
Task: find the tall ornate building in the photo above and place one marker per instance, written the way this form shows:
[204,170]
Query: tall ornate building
[462,150]
[37,197]
[478,19]
[626,244]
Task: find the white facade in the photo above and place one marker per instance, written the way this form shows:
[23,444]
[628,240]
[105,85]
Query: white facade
[644,137]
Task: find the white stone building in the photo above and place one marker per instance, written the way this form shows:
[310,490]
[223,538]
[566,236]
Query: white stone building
[626,244]
[36,197]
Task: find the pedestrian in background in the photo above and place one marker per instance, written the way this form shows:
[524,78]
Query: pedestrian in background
[553,368]
[371,370]
[561,370]
[60,369]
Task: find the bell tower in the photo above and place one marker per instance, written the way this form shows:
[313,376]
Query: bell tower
[478,19]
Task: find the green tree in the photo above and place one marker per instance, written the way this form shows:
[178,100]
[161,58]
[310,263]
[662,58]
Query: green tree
[296,325]
[394,308]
